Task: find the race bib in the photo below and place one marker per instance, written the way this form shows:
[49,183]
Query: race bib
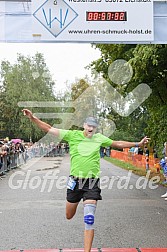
[71,183]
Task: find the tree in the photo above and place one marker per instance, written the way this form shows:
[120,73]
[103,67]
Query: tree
[26,80]
[149,66]
[149,62]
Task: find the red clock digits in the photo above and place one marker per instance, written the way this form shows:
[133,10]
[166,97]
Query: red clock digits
[106,16]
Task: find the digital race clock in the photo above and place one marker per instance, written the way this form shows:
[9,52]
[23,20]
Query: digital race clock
[106,16]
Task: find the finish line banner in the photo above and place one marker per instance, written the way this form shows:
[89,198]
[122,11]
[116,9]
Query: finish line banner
[101,21]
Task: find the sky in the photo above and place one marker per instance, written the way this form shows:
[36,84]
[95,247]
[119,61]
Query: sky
[66,61]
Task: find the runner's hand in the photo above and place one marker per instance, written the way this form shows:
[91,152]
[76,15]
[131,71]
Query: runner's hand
[27,113]
[145,140]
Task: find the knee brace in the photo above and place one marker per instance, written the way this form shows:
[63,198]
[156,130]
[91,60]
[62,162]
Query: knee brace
[89,212]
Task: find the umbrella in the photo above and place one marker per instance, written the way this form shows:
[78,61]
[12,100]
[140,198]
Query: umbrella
[16,140]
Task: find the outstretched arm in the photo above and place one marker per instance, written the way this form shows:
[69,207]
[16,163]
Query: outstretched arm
[42,125]
[124,144]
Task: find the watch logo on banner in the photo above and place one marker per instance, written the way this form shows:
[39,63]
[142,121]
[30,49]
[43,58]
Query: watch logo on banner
[55,16]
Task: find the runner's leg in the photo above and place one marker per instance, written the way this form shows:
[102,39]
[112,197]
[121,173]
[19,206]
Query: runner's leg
[71,209]
[88,234]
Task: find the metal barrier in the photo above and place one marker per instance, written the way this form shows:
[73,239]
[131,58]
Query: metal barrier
[12,161]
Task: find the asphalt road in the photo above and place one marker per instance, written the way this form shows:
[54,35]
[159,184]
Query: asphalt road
[32,209]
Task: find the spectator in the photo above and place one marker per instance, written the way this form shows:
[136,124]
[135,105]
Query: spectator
[108,150]
[66,148]
[102,151]
[163,164]
[3,153]
[164,151]
[146,151]
[136,150]
[140,151]
[132,149]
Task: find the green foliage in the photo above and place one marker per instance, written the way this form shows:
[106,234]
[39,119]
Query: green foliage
[110,53]
[26,80]
[83,100]
[149,66]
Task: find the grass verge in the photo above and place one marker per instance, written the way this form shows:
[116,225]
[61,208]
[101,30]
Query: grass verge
[134,169]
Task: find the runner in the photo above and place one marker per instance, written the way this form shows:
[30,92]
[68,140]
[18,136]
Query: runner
[85,168]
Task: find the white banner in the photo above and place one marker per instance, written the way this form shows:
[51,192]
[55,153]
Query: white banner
[77,21]
[94,20]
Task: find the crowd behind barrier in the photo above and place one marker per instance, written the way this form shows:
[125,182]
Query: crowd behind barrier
[14,154]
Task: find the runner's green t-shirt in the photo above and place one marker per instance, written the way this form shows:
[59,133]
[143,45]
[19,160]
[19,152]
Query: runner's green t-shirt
[85,152]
